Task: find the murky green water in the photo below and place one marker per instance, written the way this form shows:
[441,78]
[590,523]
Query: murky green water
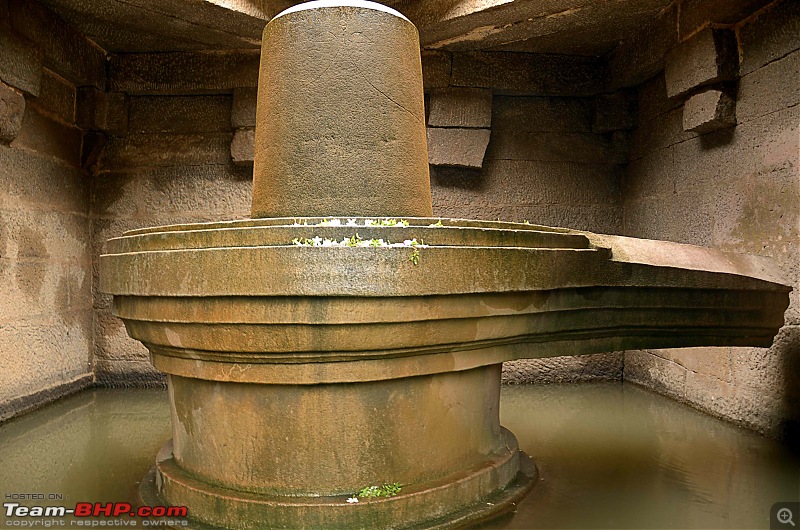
[609,456]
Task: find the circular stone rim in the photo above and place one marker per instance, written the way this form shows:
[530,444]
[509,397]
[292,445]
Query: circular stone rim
[321,4]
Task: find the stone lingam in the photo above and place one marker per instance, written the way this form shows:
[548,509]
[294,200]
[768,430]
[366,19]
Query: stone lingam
[308,358]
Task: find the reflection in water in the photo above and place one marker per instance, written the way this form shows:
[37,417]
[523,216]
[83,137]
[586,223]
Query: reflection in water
[609,456]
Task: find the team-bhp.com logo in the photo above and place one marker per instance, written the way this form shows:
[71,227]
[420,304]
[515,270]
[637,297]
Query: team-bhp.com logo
[89,509]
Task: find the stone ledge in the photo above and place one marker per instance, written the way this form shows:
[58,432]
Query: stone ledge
[457,147]
[21,405]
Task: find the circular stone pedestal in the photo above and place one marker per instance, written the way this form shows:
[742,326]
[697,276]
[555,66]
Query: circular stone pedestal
[289,456]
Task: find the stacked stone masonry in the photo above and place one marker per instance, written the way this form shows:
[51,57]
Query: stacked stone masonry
[94,141]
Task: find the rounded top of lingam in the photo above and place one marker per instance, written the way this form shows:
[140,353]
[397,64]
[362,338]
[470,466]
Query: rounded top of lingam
[316,4]
[340,119]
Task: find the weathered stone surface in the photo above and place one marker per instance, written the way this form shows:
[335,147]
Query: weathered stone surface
[708,111]
[309,156]
[763,90]
[656,373]
[148,150]
[708,57]
[614,112]
[460,107]
[696,14]
[50,137]
[555,370]
[641,56]
[524,182]
[56,96]
[102,111]
[155,26]
[20,62]
[182,114]
[66,51]
[544,114]
[243,147]
[735,189]
[183,72]
[436,67]
[540,75]
[771,35]
[12,109]
[569,27]
[243,111]
[38,182]
[457,147]
[581,148]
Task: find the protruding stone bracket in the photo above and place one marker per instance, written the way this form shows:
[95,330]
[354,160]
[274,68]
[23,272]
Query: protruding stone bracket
[697,70]
[12,110]
[459,124]
[711,56]
[708,111]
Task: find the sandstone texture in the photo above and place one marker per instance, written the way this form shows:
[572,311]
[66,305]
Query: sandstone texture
[735,189]
[709,111]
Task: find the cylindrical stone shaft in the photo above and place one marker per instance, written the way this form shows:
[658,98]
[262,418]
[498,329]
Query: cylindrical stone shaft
[340,114]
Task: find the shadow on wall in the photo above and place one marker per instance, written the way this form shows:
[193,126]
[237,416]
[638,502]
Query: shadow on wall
[457,177]
[791,395]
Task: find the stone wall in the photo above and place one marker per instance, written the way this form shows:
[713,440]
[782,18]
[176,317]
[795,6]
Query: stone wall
[46,316]
[736,189]
[171,165]
[554,157]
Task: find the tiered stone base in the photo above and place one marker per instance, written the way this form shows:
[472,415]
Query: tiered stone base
[457,500]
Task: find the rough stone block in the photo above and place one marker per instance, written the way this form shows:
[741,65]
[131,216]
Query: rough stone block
[460,107]
[554,370]
[12,109]
[710,56]
[184,72]
[614,112]
[655,373]
[709,111]
[713,361]
[765,90]
[528,74]
[20,62]
[183,114]
[243,147]
[771,35]
[584,148]
[166,149]
[102,111]
[28,180]
[243,111]
[66,50]
[50,137]
[56,96]
[525,182]
[538,114]
[457,147]
[436,67]
[695,14]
